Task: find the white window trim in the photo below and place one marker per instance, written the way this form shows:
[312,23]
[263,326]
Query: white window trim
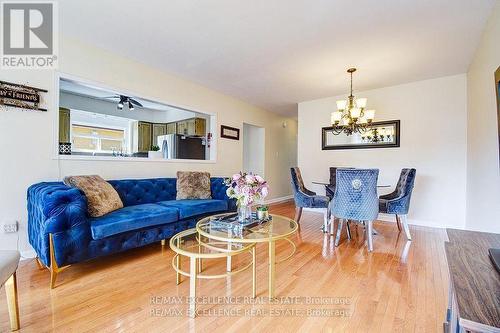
[125,142]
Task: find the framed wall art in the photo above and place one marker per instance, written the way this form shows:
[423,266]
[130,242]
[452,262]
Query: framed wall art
[227,132]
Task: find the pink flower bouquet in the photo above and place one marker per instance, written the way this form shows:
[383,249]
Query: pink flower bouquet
[246,188]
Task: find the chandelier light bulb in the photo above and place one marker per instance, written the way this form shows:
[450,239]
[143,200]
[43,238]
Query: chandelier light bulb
[332,119]
[361,102]
[336,116]
[355,113]
[370,114]
[341,105]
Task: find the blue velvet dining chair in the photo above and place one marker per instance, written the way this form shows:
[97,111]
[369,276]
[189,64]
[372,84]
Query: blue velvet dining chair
[305,198]
[398,202]
[356,199]
[330,189]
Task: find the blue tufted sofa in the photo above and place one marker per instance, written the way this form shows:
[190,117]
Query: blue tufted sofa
[59,227]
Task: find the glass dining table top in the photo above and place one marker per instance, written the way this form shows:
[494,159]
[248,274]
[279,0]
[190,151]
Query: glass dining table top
[278,227]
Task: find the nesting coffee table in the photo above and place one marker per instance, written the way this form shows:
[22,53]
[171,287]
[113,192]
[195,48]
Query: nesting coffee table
[206,242]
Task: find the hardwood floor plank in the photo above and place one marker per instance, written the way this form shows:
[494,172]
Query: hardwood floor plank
[395,288]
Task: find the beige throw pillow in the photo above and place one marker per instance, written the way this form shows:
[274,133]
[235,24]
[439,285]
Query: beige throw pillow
[102,198]
[193,185]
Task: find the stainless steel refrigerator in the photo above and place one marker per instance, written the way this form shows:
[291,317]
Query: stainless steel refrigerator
[182,147]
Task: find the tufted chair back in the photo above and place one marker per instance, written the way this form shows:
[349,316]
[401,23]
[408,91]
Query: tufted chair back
[333,176]
[355,195]
[330,189]
[405,182]
[298,183]
[398,202]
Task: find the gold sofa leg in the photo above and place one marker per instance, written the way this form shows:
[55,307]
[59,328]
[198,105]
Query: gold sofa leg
[11,291]
[54,268]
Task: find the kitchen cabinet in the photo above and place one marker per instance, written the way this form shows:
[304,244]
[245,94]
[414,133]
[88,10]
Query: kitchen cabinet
[193,126]
[64,125]
[182,127]
[200,126]
[144,136]
[158,129]
[171,128]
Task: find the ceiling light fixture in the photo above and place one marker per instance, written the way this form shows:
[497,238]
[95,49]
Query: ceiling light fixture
[121,102]
[351,116]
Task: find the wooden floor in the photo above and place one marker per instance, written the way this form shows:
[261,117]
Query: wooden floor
[399,287]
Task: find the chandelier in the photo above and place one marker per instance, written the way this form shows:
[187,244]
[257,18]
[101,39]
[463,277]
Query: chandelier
[351,116]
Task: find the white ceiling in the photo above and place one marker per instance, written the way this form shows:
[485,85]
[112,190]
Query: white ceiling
[275,53]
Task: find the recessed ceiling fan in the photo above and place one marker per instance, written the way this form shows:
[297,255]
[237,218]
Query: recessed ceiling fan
[122,100]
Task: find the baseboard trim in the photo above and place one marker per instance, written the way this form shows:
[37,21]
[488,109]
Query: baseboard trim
[28,254]
[421,223]
[278,200]
[392,218]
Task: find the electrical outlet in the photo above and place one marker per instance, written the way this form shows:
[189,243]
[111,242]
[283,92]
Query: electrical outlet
[10,227]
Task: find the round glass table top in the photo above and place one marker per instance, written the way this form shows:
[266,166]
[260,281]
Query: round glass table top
[190,243]
[278,227]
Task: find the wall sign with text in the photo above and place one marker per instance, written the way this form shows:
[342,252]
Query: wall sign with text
[229,132]
[21,96]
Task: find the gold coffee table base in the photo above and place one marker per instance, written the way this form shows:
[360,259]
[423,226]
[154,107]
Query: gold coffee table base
[294,249]
[205,250]
[276,229]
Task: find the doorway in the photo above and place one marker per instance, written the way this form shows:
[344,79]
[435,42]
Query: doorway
[253,149]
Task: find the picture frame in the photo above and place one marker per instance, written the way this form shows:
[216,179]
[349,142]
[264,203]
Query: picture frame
[361,141]
[228,132]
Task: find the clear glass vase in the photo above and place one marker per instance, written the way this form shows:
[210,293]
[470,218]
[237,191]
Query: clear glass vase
[244,213]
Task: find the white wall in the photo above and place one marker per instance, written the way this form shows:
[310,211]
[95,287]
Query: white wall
[253,149]
[483,177]
[173,115]
[27,138]
[433,140]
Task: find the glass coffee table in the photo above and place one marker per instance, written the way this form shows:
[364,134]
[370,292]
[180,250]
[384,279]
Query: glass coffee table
[278,228]
[191,244]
